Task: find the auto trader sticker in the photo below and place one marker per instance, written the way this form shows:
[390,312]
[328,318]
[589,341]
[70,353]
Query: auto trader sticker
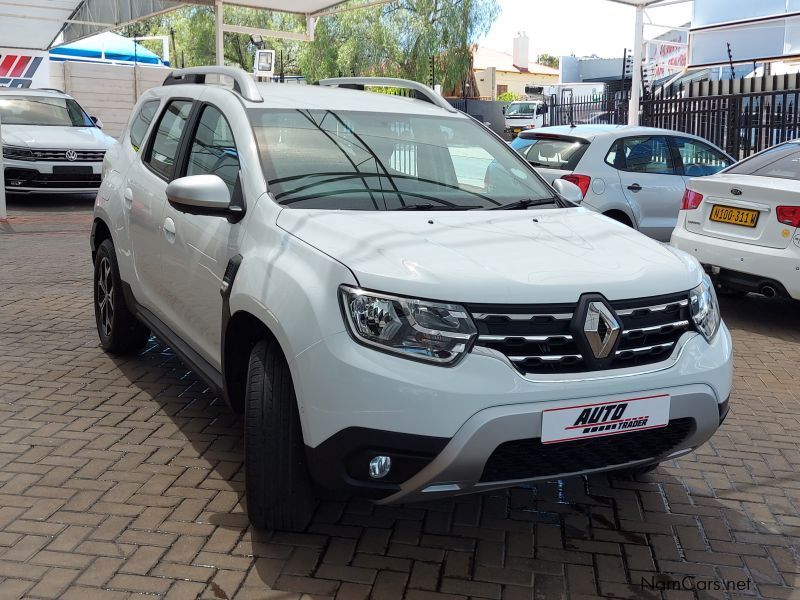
[604,418]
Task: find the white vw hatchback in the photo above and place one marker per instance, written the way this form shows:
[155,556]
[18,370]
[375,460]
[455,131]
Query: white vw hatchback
[743,224]
[334,264]
[50,145]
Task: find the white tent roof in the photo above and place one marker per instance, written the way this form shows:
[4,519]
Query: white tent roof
[35,24]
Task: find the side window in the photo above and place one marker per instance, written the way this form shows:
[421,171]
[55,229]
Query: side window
[213,150]
[164,149]
[699,159]
[142,121]
[644,154]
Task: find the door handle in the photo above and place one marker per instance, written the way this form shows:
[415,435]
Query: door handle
[169,229]
[128,196]
[634,187]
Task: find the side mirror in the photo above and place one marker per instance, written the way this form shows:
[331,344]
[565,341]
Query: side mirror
[568,190]
[98,123]
[201,195]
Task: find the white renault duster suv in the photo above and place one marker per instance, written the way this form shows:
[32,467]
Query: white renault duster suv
[334,264]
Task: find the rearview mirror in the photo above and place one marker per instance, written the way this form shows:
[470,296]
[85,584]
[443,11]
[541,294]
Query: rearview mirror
[98,123]
[201,195]
[568,190]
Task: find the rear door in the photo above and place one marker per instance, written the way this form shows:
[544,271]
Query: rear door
[650,181]
[744,203]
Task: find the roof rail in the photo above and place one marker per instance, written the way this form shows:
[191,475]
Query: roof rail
[243,82]
[421,91]
[50,90]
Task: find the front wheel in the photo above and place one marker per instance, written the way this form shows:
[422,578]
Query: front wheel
[119,330]
[278,486]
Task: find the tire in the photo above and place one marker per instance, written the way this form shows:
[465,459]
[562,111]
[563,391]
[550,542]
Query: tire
[279,491]
[119,330]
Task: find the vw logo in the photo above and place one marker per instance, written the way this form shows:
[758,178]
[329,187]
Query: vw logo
[736,192]
[71,155]
[601,329]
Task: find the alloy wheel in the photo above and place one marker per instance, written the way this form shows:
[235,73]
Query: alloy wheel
[105,295]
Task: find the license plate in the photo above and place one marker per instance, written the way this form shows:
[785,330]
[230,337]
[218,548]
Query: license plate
[72,170]
[604,418]
[517,129]
[734,216]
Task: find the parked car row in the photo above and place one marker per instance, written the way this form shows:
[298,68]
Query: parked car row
[740,220]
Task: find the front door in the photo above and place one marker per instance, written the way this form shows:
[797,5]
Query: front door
[194,258]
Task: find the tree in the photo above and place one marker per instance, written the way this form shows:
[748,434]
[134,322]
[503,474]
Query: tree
[396,39]
[548,60]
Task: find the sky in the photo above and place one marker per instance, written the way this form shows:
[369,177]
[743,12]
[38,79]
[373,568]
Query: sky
[582,27]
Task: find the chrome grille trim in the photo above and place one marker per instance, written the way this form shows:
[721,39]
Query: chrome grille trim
[59,155]
[527,338]
[522,317]
[651,309]
[644,349]
[674,325]
[546,358]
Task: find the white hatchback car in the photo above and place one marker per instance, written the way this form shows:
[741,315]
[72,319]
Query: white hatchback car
[743,224]
[50,145]
[331,261]
[635,175]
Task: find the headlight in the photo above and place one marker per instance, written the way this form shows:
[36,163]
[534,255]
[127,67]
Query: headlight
[416,329]
[17,153]
[704,308]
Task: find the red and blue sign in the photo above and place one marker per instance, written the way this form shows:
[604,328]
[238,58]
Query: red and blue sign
[18,70]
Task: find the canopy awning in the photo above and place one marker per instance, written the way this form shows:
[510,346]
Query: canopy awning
[36,24]
[106,46]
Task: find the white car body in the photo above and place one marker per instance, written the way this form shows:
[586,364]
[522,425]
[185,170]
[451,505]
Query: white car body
[643,198]
[43,158]
[293,263]
[763,256]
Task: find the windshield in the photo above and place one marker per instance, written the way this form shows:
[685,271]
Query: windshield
[782,161]
[522,108]
[42,110]
[378,161]
[551,152]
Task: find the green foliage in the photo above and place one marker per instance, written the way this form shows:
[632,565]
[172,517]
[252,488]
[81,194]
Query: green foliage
[548,60]
[509,97]
[394,40]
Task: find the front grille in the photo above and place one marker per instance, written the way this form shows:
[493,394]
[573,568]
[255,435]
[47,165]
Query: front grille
[540,338]
[59,155]
[28,178]
[527,459]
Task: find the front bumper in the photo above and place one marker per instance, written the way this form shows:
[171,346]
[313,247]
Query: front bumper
[443,424]
[50,177]
[777,264]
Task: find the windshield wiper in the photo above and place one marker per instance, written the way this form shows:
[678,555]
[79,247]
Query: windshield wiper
[525,203]
[432,207]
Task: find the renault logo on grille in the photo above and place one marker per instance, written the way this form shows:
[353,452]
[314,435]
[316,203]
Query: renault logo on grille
[71,155]
[601,329]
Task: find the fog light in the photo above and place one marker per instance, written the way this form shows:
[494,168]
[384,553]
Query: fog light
[379,467]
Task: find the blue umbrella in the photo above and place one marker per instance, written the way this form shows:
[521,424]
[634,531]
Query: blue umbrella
[106,46]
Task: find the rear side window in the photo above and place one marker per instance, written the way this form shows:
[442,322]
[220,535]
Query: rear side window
[164,148]
[699,159]
[550,152]
[642,154]
[142,121]
[779,161]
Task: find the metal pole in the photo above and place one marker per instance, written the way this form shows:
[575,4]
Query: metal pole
[219,33]
[636,68]
[3,214]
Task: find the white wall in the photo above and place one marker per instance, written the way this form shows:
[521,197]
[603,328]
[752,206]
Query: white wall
[106,91]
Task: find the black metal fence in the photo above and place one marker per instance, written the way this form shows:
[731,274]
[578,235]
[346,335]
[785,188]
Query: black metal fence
[742,116]
[742,124]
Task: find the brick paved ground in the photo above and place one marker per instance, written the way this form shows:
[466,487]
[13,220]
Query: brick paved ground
[123,478]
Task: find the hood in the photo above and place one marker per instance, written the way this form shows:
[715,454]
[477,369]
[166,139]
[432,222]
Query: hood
[53,137]
[513,257]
